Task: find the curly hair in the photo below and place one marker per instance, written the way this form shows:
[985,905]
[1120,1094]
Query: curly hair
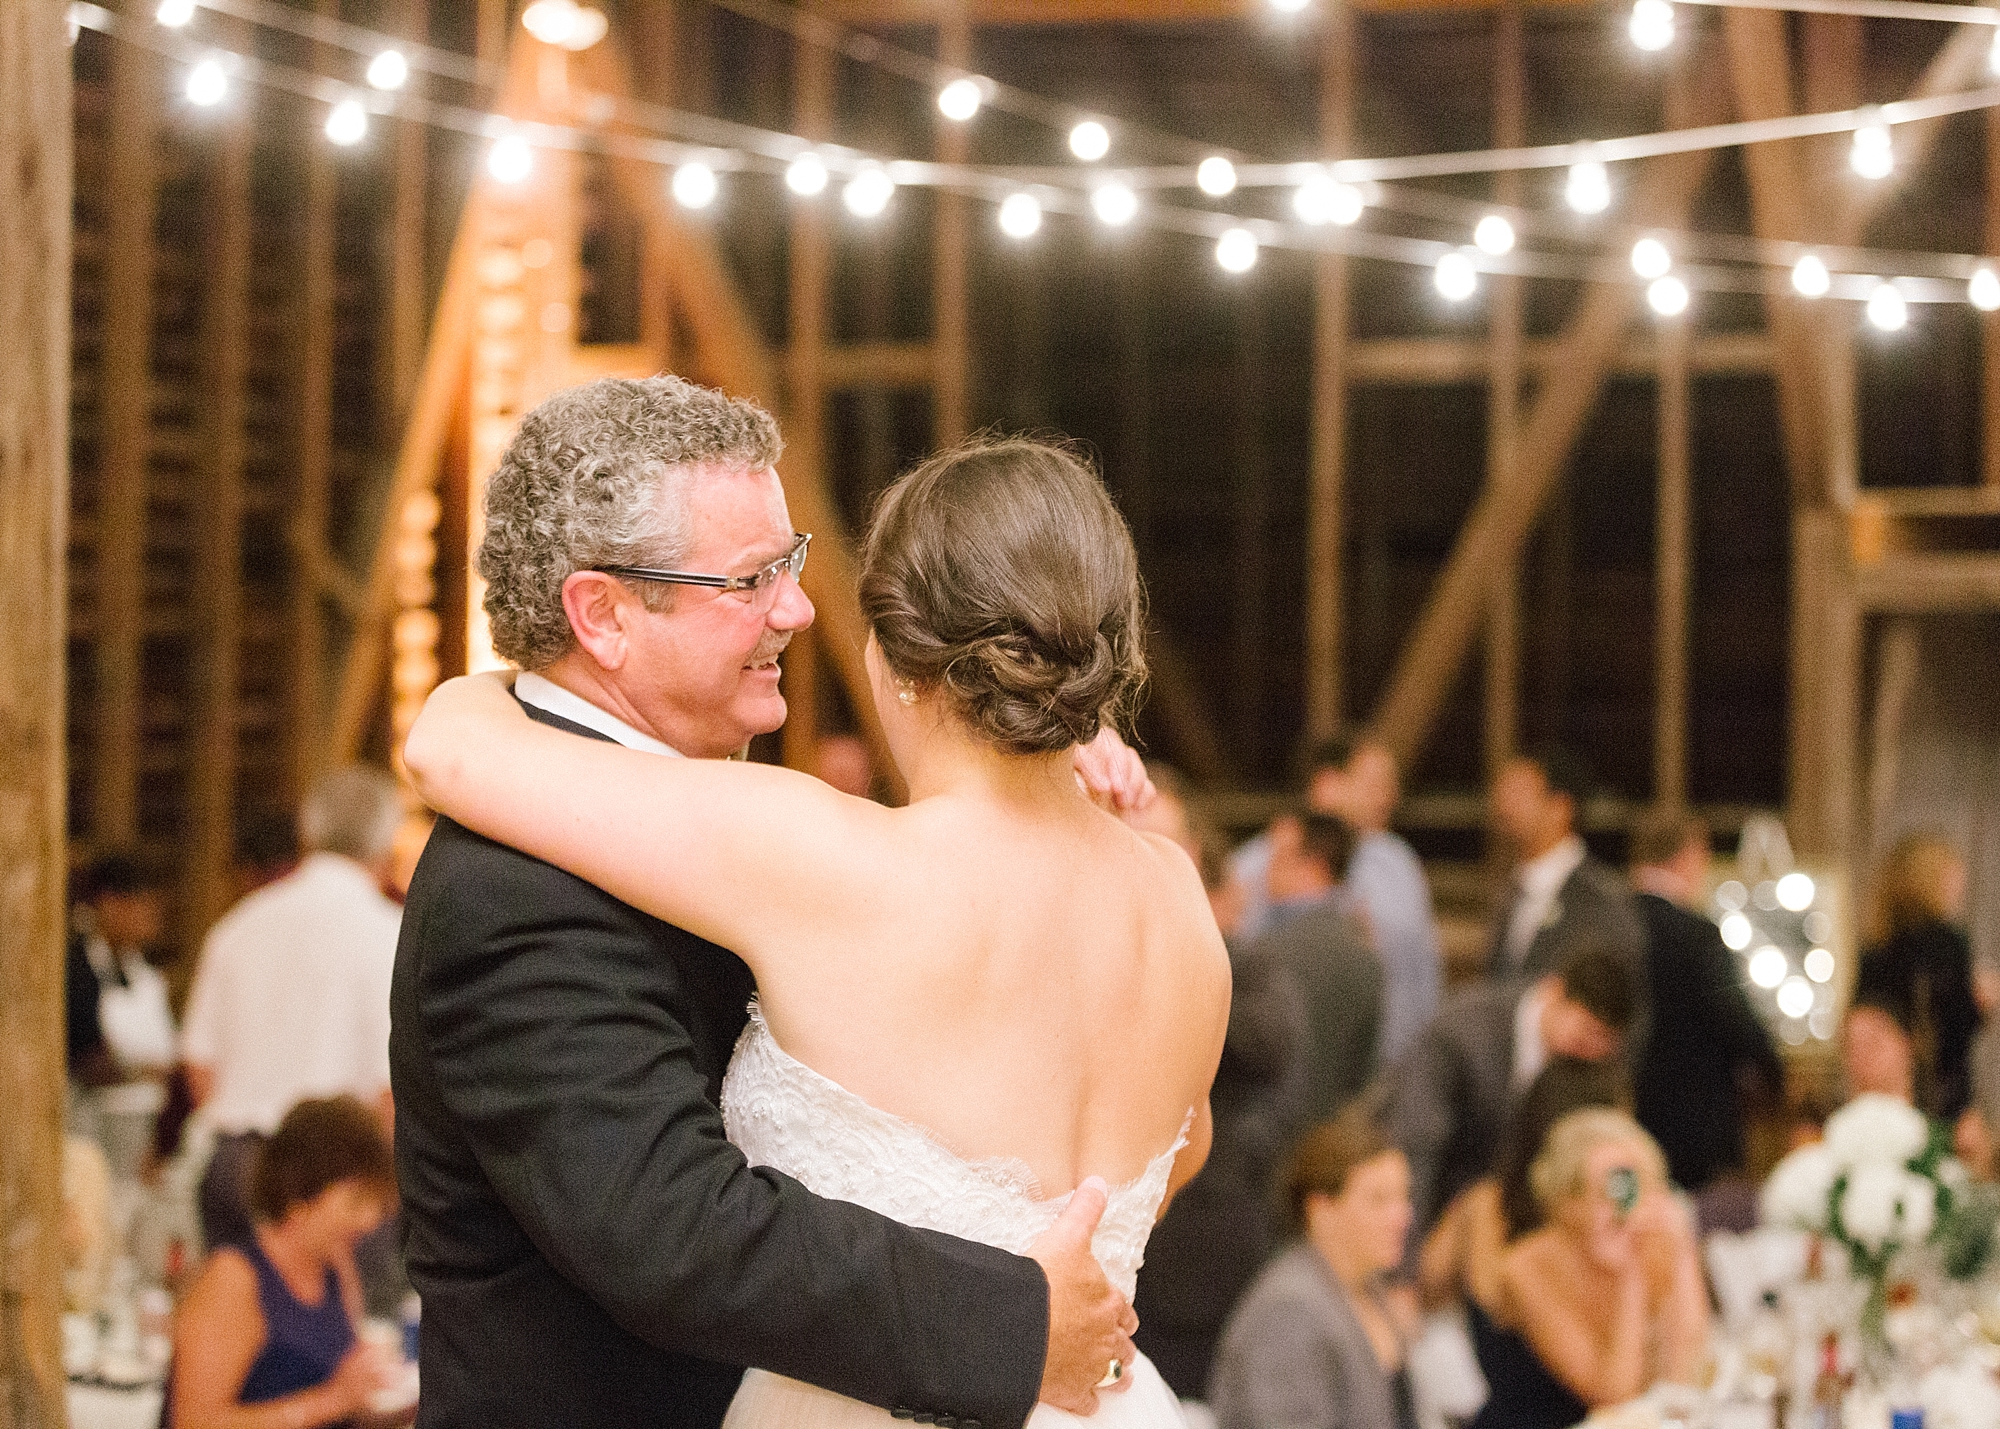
[599,475]
[1001,575]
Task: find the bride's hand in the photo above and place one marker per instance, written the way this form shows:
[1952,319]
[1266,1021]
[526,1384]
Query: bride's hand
[1113,774]
[448,733]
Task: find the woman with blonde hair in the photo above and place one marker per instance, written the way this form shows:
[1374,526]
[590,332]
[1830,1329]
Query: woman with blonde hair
[1919,959]
[1607,1298]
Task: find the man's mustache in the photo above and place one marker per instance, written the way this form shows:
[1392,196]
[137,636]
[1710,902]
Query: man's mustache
[770,648]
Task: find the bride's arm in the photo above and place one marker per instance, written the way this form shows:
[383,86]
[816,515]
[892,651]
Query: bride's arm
[731,852]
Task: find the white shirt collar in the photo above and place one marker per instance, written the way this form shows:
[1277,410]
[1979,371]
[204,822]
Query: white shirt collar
[1544,876]
[1530,1056]
[546,695]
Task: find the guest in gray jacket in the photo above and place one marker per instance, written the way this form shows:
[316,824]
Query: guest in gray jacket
[1315,1343]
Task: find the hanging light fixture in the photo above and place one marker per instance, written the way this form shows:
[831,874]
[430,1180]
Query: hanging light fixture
[1020,216]
[1652,25]
[1810,278]
[1236,250]
[1588,190]
[1090,141]
[1456,278]
[960,100]
[806,175]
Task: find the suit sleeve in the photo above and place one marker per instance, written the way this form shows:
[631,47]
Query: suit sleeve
[1419,1116]
[582,1098]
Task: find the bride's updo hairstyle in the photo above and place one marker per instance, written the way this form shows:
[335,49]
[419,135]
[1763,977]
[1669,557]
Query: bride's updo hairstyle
[1000,576]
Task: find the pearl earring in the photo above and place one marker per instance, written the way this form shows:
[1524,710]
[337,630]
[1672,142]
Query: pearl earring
[906,692]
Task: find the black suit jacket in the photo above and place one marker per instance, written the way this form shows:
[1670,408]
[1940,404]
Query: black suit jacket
[1449,1098]
[591,1252]
[1595,905]
[1339,978]
[1705,1035]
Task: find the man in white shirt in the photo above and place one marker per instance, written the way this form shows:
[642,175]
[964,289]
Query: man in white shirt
[291,997]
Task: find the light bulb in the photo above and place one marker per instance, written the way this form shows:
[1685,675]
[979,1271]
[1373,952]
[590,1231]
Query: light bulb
[1589,187]
[552,22]
[510,160]
[960,100]
[1020,216]
[1090,141]
[1668,297]
[1819,965]
[1494,235]
[1650,259]
[1289,7]
[347,123]
[1984,290]
[1874,153]
[868,193]
[1796,997]
[1768,966]
[1114,204]
[207,83]
[1888,309]
[1810,278]
[1321,201]
[174,13]
[695,185]
[1456,278]
[1652,24]
[1236,250]
[1796,892]
[1737,931]
[389,70]
[1216,176]
[806,176]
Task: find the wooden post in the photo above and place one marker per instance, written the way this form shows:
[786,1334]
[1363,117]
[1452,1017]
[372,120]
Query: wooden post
[949,280]
[126,384]
[1326,698]
[409,247]
[1671,572]
[490,36]
[35,169]
[1503,409]
[218,568]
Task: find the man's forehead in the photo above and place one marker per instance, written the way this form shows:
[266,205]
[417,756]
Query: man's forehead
[741,506]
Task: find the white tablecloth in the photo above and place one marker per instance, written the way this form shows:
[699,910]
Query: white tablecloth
[94,1407]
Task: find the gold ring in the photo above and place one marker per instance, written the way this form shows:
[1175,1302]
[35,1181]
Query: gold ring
[1113,1374]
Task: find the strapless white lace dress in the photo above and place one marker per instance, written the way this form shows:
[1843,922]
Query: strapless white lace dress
[783,1114]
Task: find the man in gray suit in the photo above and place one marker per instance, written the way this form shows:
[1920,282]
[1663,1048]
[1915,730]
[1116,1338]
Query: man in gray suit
[1312,933]
[1448,1101]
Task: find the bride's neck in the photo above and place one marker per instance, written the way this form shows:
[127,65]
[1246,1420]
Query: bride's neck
[948,761]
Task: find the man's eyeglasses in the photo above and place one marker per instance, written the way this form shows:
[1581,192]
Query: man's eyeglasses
[761,585]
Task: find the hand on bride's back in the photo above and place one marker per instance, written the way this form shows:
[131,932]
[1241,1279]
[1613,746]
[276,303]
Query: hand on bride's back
[1090,1324]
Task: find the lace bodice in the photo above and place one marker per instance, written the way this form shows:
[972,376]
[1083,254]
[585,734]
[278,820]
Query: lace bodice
[783,1114]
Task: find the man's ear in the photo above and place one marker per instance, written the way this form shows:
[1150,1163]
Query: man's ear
[598,607]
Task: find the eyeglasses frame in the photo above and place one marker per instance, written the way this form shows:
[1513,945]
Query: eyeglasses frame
[793,560]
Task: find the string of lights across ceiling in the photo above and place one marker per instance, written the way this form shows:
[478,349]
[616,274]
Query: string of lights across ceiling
[1328,199]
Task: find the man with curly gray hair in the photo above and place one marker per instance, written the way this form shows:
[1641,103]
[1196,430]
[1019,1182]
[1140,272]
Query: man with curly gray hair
[589,1247]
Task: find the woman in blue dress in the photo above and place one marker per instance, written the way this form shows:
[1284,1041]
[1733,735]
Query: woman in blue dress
[266,1336]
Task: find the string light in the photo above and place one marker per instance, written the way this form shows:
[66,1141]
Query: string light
[1887,308]
[1216,177]
[1236,250]
[565,23]
[347,123]
[1020,216]
[1321,201]
[1456,278]
[868,193]
[207,84]
[1874,154]
[1289,7]
[806,176]
[1810,278]
[1650,259]
[1090,141]
[1589,187]
[1494,235]
[1114,204]
[510,160]
[960,100]
[1667,296]
[389,70]
[174,13]
[1984,290]
[1652,25]
[695,185]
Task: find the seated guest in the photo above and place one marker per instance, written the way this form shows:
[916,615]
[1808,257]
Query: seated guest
[1312,933]
[1876,1051]
[1315,1343]
[266,1337]
[1220,1229]
[1919,960]
[1607,1298]
[1463,1255]
[1451,1097]
[1707,1041]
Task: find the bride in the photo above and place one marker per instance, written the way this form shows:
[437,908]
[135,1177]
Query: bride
[966,1006]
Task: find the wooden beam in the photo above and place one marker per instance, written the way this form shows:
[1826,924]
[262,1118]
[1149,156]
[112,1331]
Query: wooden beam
[874,364]
[1499,523]
[35,178]
[1502,722]
[1826,688]
[1098,12]
[950,295]
[408,240]
[1326,503]
[218,563]
[1671,569]
[126,383]
[1444,361]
